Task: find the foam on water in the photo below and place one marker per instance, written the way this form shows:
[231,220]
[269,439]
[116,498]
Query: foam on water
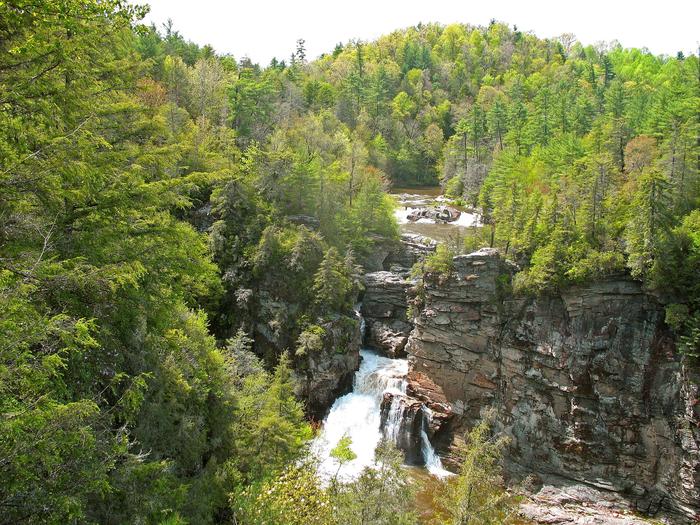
[432,460]
[406,207]
[358,415]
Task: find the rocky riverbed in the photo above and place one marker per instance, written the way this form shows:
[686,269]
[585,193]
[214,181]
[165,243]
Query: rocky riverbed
[426,213]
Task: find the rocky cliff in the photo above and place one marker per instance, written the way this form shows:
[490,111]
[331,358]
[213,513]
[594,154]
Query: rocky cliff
[323,372]
[586,382]
[384,309]
[385,299]
[324,375]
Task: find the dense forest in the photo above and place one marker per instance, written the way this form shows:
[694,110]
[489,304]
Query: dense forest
[152,190]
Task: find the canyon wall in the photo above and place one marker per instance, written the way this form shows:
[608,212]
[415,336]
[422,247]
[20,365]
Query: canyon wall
[586,382]
[385,300]
[327,373]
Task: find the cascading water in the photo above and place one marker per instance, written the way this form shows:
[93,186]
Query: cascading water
[358,415]
[432,460]
[363,323]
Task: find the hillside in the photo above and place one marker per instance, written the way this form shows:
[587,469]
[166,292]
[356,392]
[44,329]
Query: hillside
[183,236]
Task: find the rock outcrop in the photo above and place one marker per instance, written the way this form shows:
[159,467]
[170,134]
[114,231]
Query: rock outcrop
[385,300]
[586,382]
[578,504]
[436,213]
[326,374]
[384,308]
[409,251]
[424,390]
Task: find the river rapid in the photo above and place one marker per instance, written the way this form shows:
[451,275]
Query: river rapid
[411,200]
[358,414]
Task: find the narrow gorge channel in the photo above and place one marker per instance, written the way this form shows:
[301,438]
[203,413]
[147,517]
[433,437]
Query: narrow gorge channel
[597,408]
[378,405]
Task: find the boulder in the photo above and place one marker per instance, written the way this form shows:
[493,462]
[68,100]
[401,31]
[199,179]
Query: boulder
[436,213]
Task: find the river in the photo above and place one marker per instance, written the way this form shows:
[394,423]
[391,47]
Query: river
[410,200]
[357,414]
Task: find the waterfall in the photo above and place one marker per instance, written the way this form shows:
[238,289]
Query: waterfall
[363,324]
[358,415]
[432,460]
[392,424]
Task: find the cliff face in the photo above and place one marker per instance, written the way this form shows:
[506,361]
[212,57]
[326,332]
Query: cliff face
[322,374]
[587,383]
[384,309]
[328,373]
[385,300]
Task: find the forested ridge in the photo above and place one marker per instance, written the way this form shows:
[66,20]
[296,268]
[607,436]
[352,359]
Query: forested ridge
[151,189]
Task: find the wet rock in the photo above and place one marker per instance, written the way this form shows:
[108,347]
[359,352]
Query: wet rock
[401,423]
[423,389]
[436,213]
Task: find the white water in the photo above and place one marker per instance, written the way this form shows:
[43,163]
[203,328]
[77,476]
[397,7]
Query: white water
[432,460]
[409,203]
[465,219]
[358,416]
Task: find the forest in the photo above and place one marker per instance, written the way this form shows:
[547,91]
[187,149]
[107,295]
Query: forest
[152,190]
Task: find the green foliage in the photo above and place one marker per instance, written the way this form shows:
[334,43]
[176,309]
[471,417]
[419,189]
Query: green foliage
[342,451]
[310,341]
[439,263]
[454,187]
[677,272]
[332,283]
[343,454]
[294,498]
[476,495]
[271,430]
[150,188]
[596,264]
[381,495]
[115,403]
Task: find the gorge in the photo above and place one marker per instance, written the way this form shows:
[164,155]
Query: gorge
[299,293]
[586,383]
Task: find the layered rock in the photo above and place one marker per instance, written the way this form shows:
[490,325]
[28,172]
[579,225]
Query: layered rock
[409,251]
[586,382]
[385,301]
[578,504]
[384,308]
[424,390]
